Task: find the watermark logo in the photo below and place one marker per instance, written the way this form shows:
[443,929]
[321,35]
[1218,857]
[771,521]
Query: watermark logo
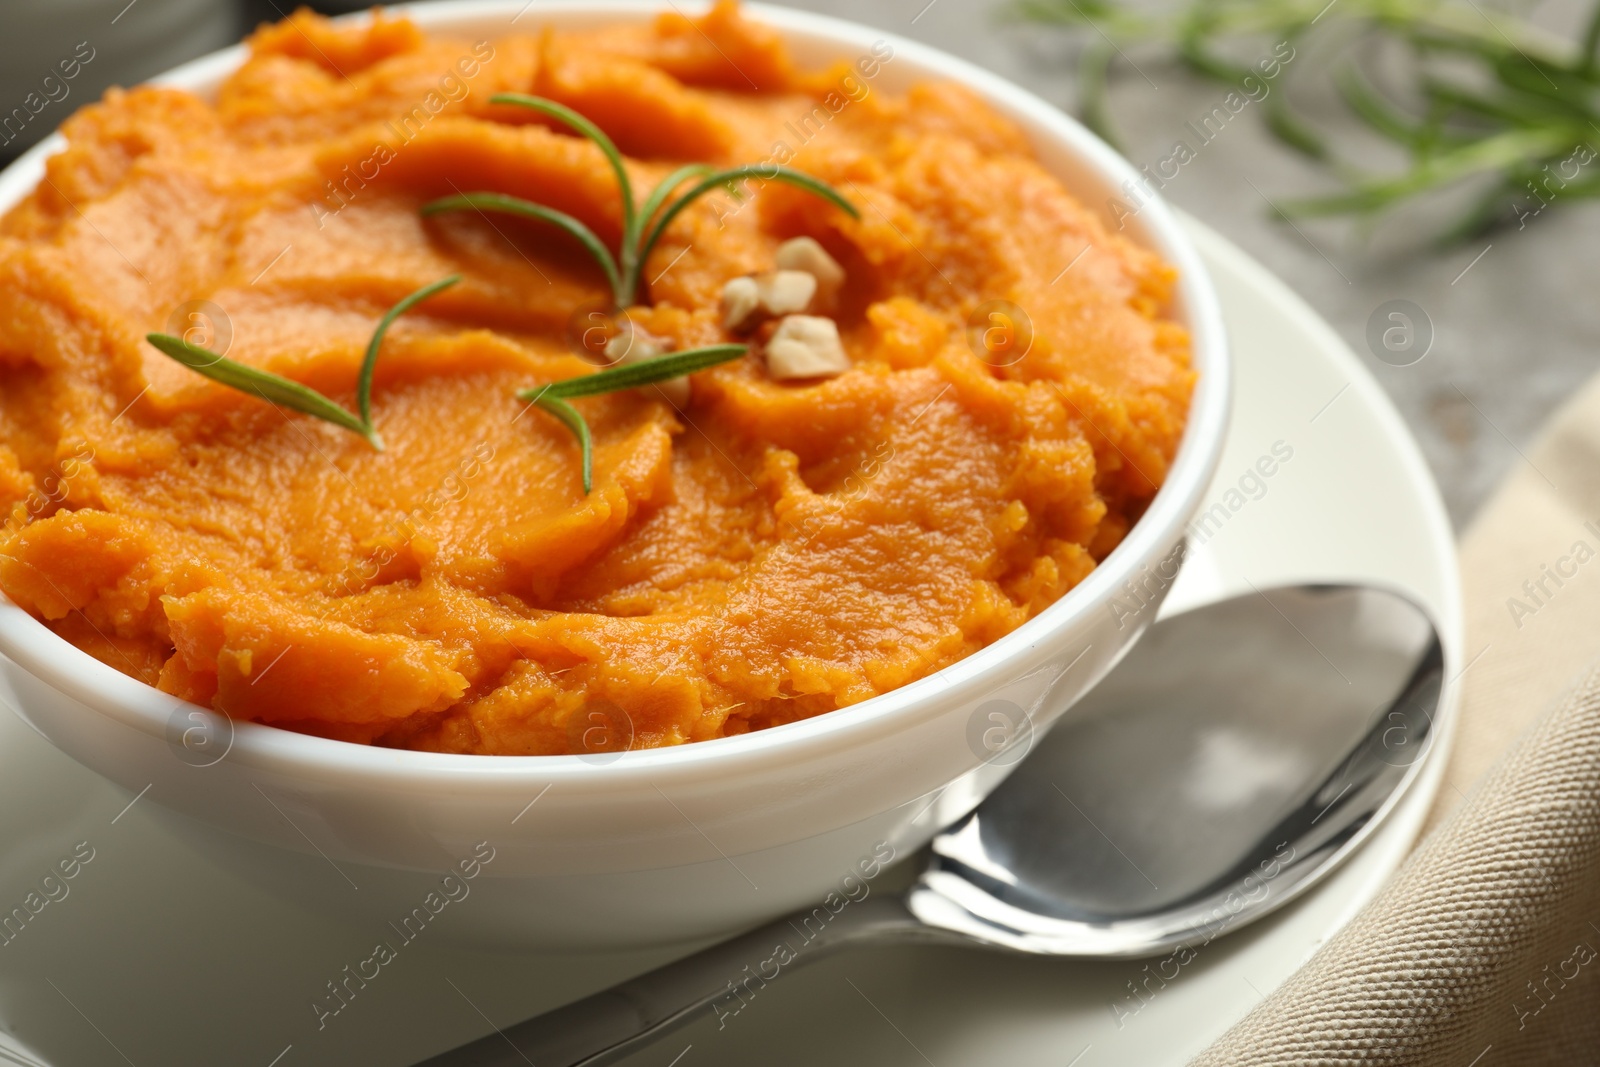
[600,733]
[1399,333]
[1542,588]
[52,90]
[999,333]
[1406,734]
[1146,589]
[755,975]
[1154,977]
[52,888]
[1253,87]
[590,329]
[1000,732]
[199,737]
[202,324]
[453,887]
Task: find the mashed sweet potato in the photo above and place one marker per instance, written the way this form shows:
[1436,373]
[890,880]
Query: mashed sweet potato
[771,552]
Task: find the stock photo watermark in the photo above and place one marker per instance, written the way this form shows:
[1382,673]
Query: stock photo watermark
[1253,88]
[999,333]
[52,888]
[1399,333]
[851,89]
[1145,590]
[1250,486]
[853,888]
[1570,169]
[451,88]
[53,89]
[202,323]
[600,732]
[1152,978]
[1548,984]
[199,737]
[52,489]
[453,888]
[1000,732]
[1539,590]
[361,572]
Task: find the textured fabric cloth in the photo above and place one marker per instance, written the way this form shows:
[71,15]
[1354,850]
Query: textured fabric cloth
[1485,948]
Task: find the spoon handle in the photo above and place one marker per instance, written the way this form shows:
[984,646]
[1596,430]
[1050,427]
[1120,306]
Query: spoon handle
[601,1028]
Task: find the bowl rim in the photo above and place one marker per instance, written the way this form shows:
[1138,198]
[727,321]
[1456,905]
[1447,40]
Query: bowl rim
[64,667]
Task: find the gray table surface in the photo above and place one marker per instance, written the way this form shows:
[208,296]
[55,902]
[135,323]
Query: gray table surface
[1513,332]
[1513,336]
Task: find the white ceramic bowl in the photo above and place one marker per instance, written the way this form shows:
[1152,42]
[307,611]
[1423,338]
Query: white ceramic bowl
[662,844]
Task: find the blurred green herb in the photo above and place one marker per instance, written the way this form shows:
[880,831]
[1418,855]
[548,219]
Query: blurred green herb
[641,228]
[276,389]
[1493,101]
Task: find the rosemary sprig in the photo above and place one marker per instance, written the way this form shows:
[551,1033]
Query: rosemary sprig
[553,397]
[639,236]
[273,388]
[512,205]
[276,389]
[642,228]
[1494,101]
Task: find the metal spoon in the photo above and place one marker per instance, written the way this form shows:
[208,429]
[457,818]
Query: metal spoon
[1237,754]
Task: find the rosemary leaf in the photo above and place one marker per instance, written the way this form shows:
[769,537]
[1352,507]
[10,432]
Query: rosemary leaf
[512,205]
[658,195]
[1366,102]
[553,396]
[623,269]
[633,259]
[564,114]
[1587,59]
[633,375]
[1291,129]
[721,178]
[1093,67]
[276,389]
[272,388]
[570,417]
[1489,209]
[1511,108]
[1192,47]
[1493,153]
[370,362]
[663,189]
[642,227]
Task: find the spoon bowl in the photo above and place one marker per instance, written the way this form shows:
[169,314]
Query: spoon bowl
[1229,763]
[1236,753]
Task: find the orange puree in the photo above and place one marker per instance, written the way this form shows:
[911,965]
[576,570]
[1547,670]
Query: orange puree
[774,551]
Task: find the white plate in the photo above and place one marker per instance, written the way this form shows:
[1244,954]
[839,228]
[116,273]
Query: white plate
[158,956]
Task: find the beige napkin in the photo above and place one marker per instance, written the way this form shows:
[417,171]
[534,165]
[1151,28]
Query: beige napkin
[1485,948]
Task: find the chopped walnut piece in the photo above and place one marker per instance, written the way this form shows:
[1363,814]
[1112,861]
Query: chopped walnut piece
[634,345]
[786,292]
[806,346]
[804,253]
[749,300]
[741,302]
